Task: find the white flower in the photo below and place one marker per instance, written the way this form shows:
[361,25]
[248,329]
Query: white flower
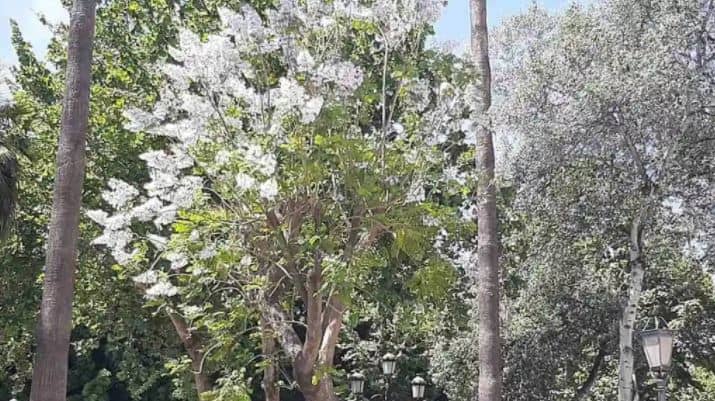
[326,22]
[416,192]
[120,193]
[114,239]
[343,73]
[675,205]
[208,252]
[244,181]
[98,216]
[166,215]
[305,61]
[169,162]
[269,189]
[148,277]
[118,222]
[161,289]
[468,212]
[191,311]
[470,137]
[445,89]
[222,157]
[311,110]
[265,163]
[178,260]
[398,128]
[147,210]
[288,96]
[158,241]
[138,119]
[696,249]
[183,194]
[122,256]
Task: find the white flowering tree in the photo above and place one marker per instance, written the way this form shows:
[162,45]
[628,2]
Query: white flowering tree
[308,147]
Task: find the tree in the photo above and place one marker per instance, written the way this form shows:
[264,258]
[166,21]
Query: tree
[49,381]
[566,230]
[283,187]
[623,137]
[490,358]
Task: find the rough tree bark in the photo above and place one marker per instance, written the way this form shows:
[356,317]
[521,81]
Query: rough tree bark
[270,371]
[490,358]
[49,376]
[192,345]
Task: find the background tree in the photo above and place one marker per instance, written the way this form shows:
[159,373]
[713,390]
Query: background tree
[568,265]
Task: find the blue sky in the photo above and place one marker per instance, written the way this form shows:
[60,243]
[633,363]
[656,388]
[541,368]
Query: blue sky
[454,25]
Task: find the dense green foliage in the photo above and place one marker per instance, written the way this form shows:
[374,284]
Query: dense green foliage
[600,112]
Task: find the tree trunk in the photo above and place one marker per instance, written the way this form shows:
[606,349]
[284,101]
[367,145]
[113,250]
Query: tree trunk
[629,313]
[49,376]
[306,369]
[270,376]
[192,344]
[490,358]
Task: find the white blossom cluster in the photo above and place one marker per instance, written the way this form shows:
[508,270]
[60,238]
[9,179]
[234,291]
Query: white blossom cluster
[216,96]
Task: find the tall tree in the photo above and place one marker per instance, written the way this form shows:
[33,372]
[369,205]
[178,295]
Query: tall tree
[624,133]
[49,378]
[299,157]
[490,358]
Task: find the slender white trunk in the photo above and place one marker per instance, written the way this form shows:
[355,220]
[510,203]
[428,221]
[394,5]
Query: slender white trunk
[630,312]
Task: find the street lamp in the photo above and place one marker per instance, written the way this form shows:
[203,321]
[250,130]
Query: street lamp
[658,348]
[389,364]
[357,383]
[418,388]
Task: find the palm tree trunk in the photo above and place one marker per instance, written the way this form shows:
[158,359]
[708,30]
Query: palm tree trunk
[49,376]
[490,358]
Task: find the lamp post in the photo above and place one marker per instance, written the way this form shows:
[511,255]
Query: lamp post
[418,388]
[357,384]
[389,365]
[658,349]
